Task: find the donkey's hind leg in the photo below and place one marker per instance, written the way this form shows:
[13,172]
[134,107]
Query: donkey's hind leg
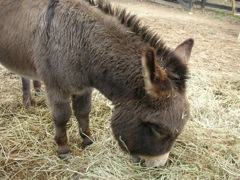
[37,87]
[82,108]
[26,92]
[61,113]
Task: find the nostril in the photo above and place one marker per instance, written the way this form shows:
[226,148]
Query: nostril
[143,163]
[154,161]
[136,159]
[152,164]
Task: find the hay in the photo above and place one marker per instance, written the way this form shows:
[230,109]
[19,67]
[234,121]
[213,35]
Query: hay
[208,148]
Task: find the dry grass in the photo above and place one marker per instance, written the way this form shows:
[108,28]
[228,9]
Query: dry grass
[209,147]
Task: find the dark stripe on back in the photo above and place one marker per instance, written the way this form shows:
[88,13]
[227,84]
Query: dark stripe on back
[50,15]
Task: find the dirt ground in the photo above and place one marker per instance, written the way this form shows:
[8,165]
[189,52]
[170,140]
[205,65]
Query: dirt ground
[209,147]
[215,40]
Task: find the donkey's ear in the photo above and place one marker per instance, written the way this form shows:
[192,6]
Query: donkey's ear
[184,50]
[156,81]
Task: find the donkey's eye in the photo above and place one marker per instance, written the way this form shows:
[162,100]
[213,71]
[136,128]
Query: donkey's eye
[158,134]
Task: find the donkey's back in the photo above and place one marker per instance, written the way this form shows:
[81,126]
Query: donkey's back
[19,21]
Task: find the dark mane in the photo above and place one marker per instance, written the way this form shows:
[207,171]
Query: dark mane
[131,21]
[177,69]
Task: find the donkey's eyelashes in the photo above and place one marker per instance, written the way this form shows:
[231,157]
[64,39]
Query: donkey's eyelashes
[159,130]
[158,134]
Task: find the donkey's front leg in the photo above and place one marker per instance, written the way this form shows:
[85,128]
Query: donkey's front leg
[82,108]
[61,113]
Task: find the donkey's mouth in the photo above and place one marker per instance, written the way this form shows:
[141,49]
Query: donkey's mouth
[152,161]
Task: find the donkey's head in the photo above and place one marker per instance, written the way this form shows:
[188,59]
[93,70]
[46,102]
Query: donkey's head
[148,127]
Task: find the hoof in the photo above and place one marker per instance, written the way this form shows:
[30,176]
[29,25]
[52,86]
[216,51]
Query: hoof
[27,104]
[39,93]
[63,152]
[86,142]
[28,107]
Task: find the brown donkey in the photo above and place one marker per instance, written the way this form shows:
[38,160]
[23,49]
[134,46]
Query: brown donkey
[73,46]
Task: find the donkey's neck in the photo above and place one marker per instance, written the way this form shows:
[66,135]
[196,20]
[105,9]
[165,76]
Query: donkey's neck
[118,76]
[109,52]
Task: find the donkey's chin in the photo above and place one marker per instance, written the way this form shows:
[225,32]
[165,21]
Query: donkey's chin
[155,161]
